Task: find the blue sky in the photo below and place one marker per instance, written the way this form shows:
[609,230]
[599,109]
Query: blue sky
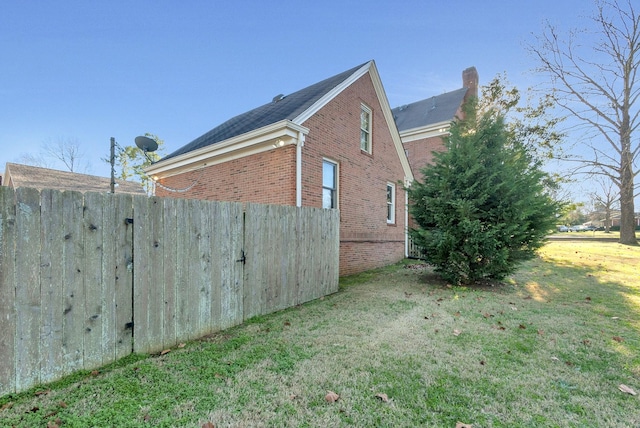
[91,70]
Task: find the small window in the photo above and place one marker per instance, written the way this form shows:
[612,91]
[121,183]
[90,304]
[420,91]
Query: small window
[329,184]
[365,129]
[391,203]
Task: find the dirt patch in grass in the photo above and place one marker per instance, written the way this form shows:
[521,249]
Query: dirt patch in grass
[548,347]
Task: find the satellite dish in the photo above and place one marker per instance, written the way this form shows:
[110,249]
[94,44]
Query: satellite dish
[146,144]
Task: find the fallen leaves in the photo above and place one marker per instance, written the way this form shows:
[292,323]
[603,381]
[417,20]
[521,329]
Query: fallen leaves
[456,332]
[618,339]
[331,397]
[383,397]
[208,425]
[54,424]
[624,388]
[165,352]
[463,425]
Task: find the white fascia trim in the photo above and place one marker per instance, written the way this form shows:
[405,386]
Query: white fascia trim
[256,141]
[313,109]
[434,130]
[391,123]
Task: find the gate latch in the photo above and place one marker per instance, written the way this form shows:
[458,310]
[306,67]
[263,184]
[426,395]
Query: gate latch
[242,259]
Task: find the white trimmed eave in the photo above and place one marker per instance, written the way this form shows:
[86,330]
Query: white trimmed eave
[391,123]
[326,98]
[269,137]
[434,130]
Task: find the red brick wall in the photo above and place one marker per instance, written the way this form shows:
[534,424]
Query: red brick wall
[263,178]
[420,153]
[366,240]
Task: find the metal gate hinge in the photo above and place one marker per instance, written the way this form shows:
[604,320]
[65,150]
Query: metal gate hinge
[242,259]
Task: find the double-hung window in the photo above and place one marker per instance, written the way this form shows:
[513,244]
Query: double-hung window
[365,129]
[329,184]
[391,203]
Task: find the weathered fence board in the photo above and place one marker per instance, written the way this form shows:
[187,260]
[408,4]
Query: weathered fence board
[169,272]
[93,225]
[73,290]
[51,282]
[87,279]
[230,240]
[182,310]
[201,273]
[27,282]
[123,269]
[7,291]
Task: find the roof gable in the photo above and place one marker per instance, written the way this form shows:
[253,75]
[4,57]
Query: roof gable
[288,107]
[18,175]
[277,123]
[430,111]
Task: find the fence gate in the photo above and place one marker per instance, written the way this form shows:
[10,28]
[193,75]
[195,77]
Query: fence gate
[188,277]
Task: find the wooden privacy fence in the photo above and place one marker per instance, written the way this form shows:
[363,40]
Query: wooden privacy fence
[87,279]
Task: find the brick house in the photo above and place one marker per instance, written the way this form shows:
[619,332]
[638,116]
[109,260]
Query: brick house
[333,144]
[423,124]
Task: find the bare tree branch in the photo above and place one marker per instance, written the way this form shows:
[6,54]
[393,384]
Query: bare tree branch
[595,81]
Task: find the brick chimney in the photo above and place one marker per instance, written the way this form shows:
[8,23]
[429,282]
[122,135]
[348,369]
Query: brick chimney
[470,81]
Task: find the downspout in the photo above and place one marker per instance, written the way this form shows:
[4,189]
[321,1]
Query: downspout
[406,223]
[407,183]
[299,145]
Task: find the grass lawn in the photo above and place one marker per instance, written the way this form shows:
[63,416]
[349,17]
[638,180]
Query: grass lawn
[549,348]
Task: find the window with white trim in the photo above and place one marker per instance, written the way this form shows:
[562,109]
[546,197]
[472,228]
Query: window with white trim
[329,184]
[391,203]
[365,129]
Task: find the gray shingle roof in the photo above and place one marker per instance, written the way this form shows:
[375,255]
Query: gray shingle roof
[436,109]
[288,107]
[45,178]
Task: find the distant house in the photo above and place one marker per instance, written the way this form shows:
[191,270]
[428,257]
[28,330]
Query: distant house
[331,145]
[17,175]
[423,124]
[615,220]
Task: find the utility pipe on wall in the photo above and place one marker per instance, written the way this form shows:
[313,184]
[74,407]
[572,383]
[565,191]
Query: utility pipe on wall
[299,145]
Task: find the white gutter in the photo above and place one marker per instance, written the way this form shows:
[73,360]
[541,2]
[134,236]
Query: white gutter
[299,145]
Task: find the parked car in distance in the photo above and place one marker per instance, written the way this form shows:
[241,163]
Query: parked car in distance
[578,228]
[563,229]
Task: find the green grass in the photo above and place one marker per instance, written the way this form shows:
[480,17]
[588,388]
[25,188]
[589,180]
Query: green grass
[548,348]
